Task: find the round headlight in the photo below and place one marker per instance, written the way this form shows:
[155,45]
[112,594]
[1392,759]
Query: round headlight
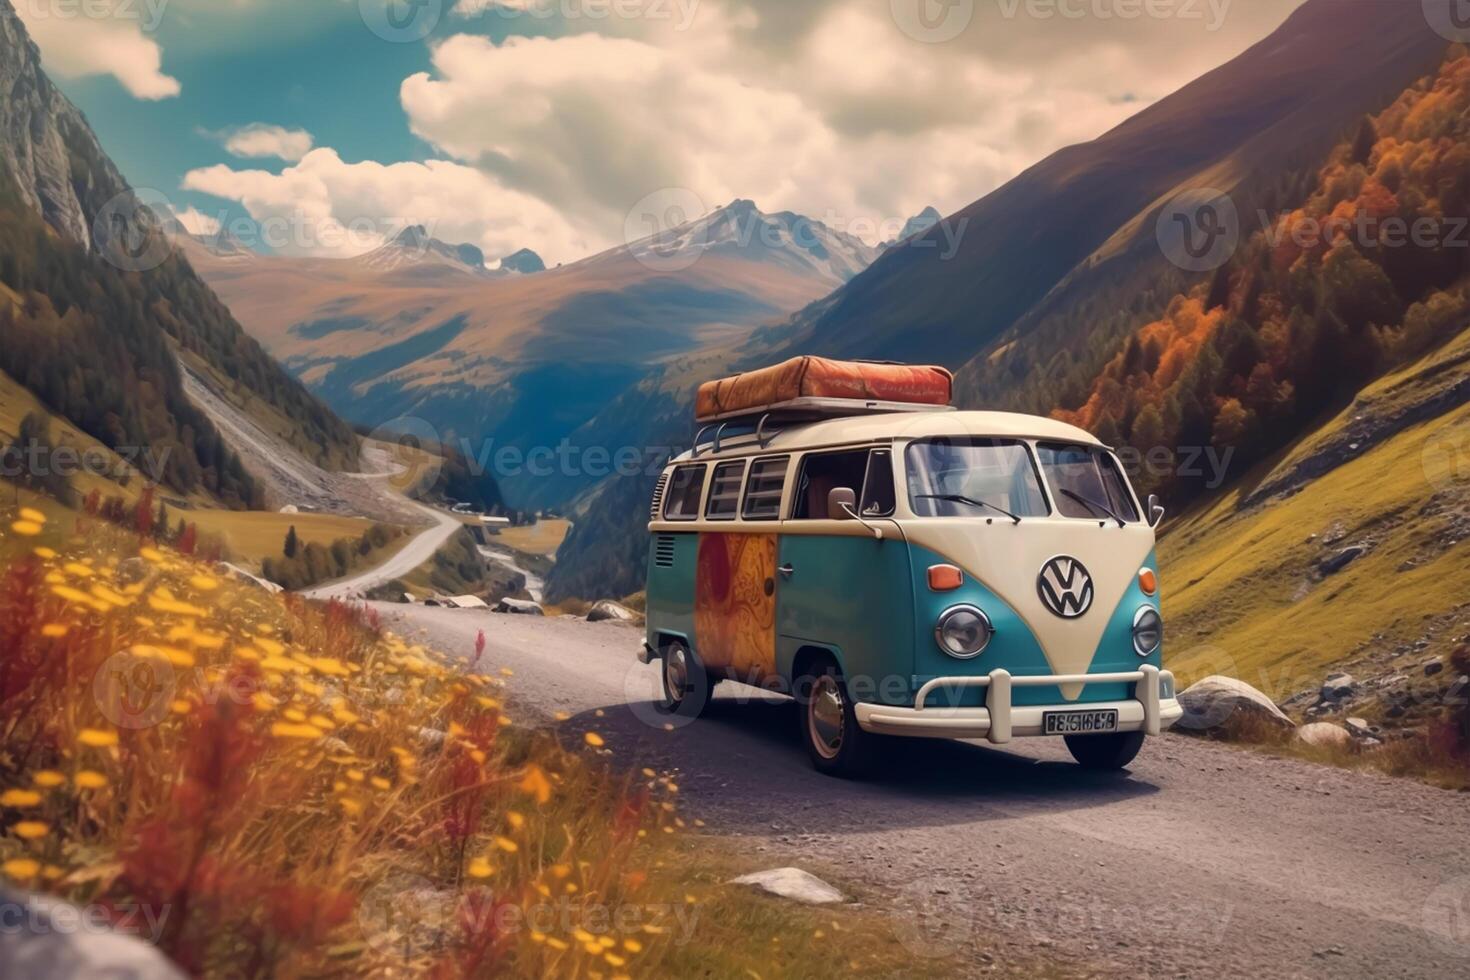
[1148,631]
[963,632]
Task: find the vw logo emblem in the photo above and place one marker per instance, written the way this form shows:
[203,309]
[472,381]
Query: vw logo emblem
[1065,587]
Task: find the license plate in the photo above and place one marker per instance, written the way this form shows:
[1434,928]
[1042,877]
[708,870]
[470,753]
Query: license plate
[1079,722]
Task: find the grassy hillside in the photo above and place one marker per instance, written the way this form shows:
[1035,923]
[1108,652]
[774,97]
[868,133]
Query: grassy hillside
[1244,586]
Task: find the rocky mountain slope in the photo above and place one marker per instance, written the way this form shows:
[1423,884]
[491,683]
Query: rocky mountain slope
[101,309]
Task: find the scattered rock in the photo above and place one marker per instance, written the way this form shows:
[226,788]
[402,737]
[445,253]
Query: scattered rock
[1218,702]
[1324,734]
[431,736]
[1359,728]
[1338,686]
[1432,667]
[520,607]
[225,570]
[1336,563]
[792,883]
[54,944]
[608,611]
[131,571]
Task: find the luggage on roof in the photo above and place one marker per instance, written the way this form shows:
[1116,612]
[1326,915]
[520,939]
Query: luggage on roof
[818,386]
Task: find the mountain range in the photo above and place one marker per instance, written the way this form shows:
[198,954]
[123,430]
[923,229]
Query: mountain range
[419,328]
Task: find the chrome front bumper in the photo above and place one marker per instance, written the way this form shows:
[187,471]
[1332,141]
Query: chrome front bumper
[1000,721]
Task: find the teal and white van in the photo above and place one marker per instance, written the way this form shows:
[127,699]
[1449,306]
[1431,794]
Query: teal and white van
[912,571]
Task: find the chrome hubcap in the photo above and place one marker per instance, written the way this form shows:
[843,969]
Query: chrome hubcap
[825,712]
[676,673]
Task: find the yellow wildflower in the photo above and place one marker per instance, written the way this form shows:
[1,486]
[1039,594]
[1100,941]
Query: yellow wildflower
[180,707]
[30,829]
[535,784]
[283,729]
[480,868]
[33,515]
[48,778]
[595,740]
[54,631]
[87,779]
[21,869]
[381,783]
[26,529]
[515,819]
[45,554]
[20,798]
[507,845]
[96,738]
[204,583]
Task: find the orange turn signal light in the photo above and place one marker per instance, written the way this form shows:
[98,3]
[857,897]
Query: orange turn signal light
[945,578]
[1148,581]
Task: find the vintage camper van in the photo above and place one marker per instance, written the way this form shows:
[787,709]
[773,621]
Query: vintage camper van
[839,533]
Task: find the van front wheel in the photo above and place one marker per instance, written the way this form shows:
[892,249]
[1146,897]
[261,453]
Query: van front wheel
[836,743]
[1105,752]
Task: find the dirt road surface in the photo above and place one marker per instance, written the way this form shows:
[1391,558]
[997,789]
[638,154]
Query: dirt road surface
[1201,861]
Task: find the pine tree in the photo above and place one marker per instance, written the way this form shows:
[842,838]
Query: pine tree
[293,544]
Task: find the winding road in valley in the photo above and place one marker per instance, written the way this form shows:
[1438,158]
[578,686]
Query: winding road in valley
[403,561]
[1201,861]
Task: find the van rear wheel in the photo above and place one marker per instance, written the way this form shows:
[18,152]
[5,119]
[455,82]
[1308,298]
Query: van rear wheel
[687,687]
[835,742]
[1105,752]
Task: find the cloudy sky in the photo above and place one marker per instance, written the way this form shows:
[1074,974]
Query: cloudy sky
[562,124]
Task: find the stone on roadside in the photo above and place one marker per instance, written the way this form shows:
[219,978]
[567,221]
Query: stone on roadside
[607,611]
[794,884]
[1338,686]
[519,607]
[1324,735]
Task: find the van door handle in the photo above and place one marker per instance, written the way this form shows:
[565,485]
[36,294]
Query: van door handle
[786,570]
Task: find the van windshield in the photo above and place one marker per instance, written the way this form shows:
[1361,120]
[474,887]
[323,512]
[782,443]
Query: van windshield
[973,478]
[1087,482]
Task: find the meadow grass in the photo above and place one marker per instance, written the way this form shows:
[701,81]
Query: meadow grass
[291,790]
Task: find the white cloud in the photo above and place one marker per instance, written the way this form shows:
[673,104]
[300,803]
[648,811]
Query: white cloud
[76,43]
[261,140]
[325,206]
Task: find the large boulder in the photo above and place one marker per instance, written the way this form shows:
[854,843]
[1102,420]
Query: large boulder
[520,607]
[608,611]
[47,939]
[1227,705]
[792,883]
[1339,686]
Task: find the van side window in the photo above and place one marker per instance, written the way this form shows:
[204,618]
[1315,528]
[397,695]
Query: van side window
[879,495]
[821,473]
[686,490]
[763,489]
[724,492]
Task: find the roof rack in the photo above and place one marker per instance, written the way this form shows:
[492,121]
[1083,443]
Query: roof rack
[770,420]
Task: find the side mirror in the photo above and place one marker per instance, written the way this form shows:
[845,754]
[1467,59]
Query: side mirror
[1155,510]
[841,504]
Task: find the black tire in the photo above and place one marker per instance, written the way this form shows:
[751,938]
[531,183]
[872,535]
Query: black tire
[828,724]
[1105,753]
[687,687]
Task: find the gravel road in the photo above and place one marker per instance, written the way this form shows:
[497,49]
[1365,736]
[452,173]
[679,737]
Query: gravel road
[1202,861]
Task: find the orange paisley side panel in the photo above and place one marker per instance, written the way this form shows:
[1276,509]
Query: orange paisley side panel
[735,604]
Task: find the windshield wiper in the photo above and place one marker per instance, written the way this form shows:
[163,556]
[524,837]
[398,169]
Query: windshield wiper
[959,498]
[1094,506]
